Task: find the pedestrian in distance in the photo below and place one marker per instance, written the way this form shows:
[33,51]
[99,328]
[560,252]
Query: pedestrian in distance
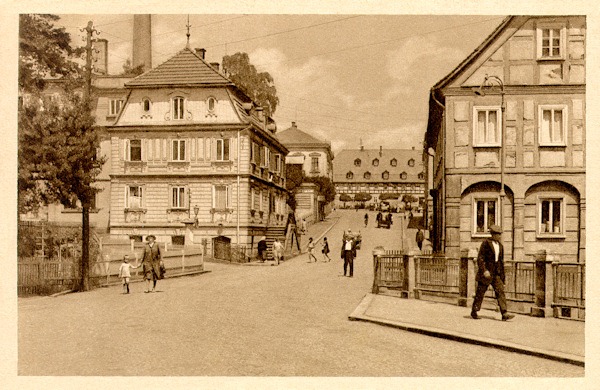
[348,252]
[152,263]
[366,219]
[420,237]
[325,250]
[490,270]
[125,273]
[277,251]
[311,248]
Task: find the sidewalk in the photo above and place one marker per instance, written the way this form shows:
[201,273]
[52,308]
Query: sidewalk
[550,338]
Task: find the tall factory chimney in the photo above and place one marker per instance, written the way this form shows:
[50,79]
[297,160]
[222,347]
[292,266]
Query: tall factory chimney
[142,42]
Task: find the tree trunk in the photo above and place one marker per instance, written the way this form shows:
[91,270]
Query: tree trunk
[85,249]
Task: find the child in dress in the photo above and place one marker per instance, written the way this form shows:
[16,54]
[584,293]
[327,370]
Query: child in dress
[325,250]
[125,273]
[311,247]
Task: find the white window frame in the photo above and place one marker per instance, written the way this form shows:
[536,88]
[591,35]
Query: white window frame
[178,197]
[178,106]
[394,162]
[487,109]
[541,228]
[214,197]
[215,101]
[314,164]
[485,199]
[128,147]
[129,198]
[220,156]
[266,157]
[177,150]
[115,106]
[561,44]
[552,108]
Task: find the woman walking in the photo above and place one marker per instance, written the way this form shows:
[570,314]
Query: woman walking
[311,248]
[151,263]
[325,250]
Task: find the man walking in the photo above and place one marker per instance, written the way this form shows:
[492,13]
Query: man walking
[420,237]
[490,270]
[348,252]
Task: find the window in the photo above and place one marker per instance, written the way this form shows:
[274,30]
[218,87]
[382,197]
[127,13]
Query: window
[375,162]
[178,150]
[357,162]
[314,164]
[421,176]
[178,197]
[265,157]
[134,197]
[278,163]
[367,175]
[115,106]
[485,215]
[178,108]
[385,175]
[393,162]
[178,240]
[146,105]
[552,120]
[222,149]
[135,150]
[550,216]
[211,104]
[411,162]
[403,176]
[220,197]
[349,175]
[486,126]
[255,153]
[550,40]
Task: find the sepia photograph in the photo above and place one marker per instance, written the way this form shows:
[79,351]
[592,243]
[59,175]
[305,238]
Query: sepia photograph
[223,198]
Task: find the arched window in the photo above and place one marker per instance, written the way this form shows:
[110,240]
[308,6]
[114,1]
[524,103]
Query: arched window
[385,175]
[349,175]
[146,105]
[357,162]
[393,162]
[211,104]
[375,162]
[411,162]
[403,176]
[421,176]
[367,175]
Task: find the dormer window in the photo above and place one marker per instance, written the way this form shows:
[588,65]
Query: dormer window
[349,175]
[178,108]
[115,107]
[421,176]
[403,176]
[385,175]
[357,162]
[211,104]
[146,105]
[393,162]
[367,175]
[411,162]
[375,162]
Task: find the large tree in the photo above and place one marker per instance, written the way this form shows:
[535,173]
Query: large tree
[258,86]
[58,142]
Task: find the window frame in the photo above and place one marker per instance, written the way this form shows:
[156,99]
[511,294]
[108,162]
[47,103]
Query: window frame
[403,176]
[476,110]
[208,100]
[129,197]
[375,162]
[393,162]
[565,117]
[221,156]
[180,206]
[349,175]
[314,164]
[367,175]
[112,106]
[144,100]
[562,40]
[411,162]
[214,197]
[385,175]
[128,150]
[178,109]
[485,199]
[357,162]
[178,150]
[552,234]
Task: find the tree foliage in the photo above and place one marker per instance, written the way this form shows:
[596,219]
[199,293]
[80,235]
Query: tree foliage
[363,197]
[258,86]
[44,51]
[387,196]
[325,186]
[129,70]
[346,198]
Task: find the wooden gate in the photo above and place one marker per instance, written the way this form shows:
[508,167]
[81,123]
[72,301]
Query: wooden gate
[222,248]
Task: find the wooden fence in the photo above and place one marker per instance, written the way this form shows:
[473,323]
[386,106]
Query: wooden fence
[520,280]
[438,274]
[392,270]
[45,277]
[569,284]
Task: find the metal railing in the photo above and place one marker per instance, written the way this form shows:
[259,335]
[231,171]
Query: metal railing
[392,270]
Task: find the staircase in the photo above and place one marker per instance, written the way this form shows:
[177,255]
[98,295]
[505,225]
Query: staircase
[273,233]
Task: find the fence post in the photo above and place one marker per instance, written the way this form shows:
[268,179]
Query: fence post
[538,310]
[410,273]
[549,287]
[378,251]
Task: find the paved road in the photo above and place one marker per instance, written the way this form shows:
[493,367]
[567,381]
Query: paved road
[289,320]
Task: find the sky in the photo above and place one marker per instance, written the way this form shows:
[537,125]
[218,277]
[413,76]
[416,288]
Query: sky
[344,78]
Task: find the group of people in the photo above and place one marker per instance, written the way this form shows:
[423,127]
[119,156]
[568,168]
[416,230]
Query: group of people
[152,265]
[350,243]
[324,250]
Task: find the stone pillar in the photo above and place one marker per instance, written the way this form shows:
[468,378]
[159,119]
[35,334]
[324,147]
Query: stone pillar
[549,292]
[410,273]
[518,229]
[544,288]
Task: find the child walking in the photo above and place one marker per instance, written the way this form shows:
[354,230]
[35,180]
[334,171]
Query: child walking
[325,250]
[311,247]
[125,273]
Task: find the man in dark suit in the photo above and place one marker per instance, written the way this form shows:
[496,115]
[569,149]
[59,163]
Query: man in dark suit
[151,262]
[348,252]
[490,270]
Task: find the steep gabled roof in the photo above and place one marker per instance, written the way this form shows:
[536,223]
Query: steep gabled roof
[183,69]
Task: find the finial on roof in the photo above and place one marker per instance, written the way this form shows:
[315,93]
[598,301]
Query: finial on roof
[188,31]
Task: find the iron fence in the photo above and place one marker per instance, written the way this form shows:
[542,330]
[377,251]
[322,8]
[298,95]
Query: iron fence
[392,270]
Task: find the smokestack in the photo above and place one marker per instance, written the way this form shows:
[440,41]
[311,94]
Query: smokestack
[293,124]
[380,150]
[200,52]
[142,41]
[101,57]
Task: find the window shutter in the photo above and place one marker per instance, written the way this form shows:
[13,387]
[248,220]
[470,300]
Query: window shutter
[144,146]
[226,149]
[126,150]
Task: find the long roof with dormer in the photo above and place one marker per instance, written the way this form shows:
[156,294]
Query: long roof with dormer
[185,68]
[360,162]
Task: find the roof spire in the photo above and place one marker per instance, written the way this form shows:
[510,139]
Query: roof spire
[188,31]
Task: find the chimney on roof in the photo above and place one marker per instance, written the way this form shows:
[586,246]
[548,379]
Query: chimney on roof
[259,113]
[380,151]
[362,148]
[201,52]
[413,148]
[215,65]
[142,41]
[293,124]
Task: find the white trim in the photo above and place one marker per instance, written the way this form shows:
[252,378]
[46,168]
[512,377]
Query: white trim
[565,117]
[183,206]
[141,196]
[483,198]
[562,43]
[476,110]
[178,141]
[180,107]
[115,106]
[551,234]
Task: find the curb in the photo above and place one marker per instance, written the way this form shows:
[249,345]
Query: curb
[359,315]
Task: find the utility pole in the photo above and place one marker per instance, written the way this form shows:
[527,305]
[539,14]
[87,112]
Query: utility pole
[86,201]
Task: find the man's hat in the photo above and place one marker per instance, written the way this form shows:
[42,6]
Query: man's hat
[495,229]
[150,235]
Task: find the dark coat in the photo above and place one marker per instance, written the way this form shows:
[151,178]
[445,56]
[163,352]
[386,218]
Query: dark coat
[151,261]
[486,261]
[353,248]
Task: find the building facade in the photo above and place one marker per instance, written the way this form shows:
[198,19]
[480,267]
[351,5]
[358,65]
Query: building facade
[512,113]
[193,159]
[377,172]
[314,155]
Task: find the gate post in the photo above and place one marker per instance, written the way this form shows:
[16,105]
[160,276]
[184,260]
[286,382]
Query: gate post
[378,251]
[409,274]
[463,276]
[539,308]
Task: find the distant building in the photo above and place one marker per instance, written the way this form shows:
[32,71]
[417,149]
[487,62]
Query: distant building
[536,64]
[314,155]
[377,172]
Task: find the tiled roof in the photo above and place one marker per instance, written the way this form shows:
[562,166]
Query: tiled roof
[344,163]
[184,68]
[295,137]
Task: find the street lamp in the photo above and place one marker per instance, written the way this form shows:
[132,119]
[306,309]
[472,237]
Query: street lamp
[491,82]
